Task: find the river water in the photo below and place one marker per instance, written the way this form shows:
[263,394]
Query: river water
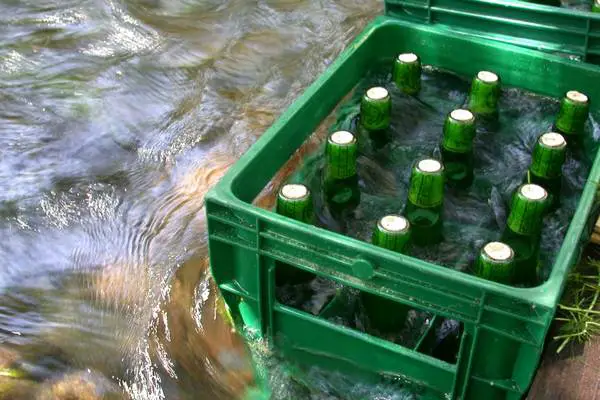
[116,117]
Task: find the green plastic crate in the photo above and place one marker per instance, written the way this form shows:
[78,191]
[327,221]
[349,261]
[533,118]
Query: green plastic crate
[560,30]
[245,242]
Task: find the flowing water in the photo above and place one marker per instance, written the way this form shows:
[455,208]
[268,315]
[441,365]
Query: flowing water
[116,117]
[582,5]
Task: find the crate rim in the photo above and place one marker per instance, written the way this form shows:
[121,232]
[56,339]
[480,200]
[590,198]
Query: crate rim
[519,5]
[545,295]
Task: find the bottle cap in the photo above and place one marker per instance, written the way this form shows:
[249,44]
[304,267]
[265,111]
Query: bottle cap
[485,94]
[392,232]
[549,155]
[375,109]
[496,262]
[426,187]
[341,152]
[459,131]
[407,73]
[295,201]
[528,208]
[573,113]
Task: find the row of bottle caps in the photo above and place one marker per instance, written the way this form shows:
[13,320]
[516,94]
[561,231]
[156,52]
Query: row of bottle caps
[531,201]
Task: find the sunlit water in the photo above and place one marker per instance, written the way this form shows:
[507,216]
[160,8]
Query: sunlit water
[116,118]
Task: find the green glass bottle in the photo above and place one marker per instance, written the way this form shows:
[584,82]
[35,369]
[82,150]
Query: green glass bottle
[496,263]
[572,116]
[596,6]
[485,94]
[341,180]
[407,73]
[392,232]
[294,201]
[376,109]
[549,155]
[523,229]
[457,148]
[424,206]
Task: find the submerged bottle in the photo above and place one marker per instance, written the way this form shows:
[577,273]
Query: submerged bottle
[549,155]
[407,73]
[485,94]
[341,180]
[496,263]
[392,232]
[596,6]
[376,109]
[294,201]
[523,229]
[457,148]
[572,116]
[424,206]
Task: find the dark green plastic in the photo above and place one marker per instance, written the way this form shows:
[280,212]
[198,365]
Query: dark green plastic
[245,241]
[554,29]
[555,3]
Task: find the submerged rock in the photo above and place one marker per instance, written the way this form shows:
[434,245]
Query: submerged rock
[80,386]
[13,386]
